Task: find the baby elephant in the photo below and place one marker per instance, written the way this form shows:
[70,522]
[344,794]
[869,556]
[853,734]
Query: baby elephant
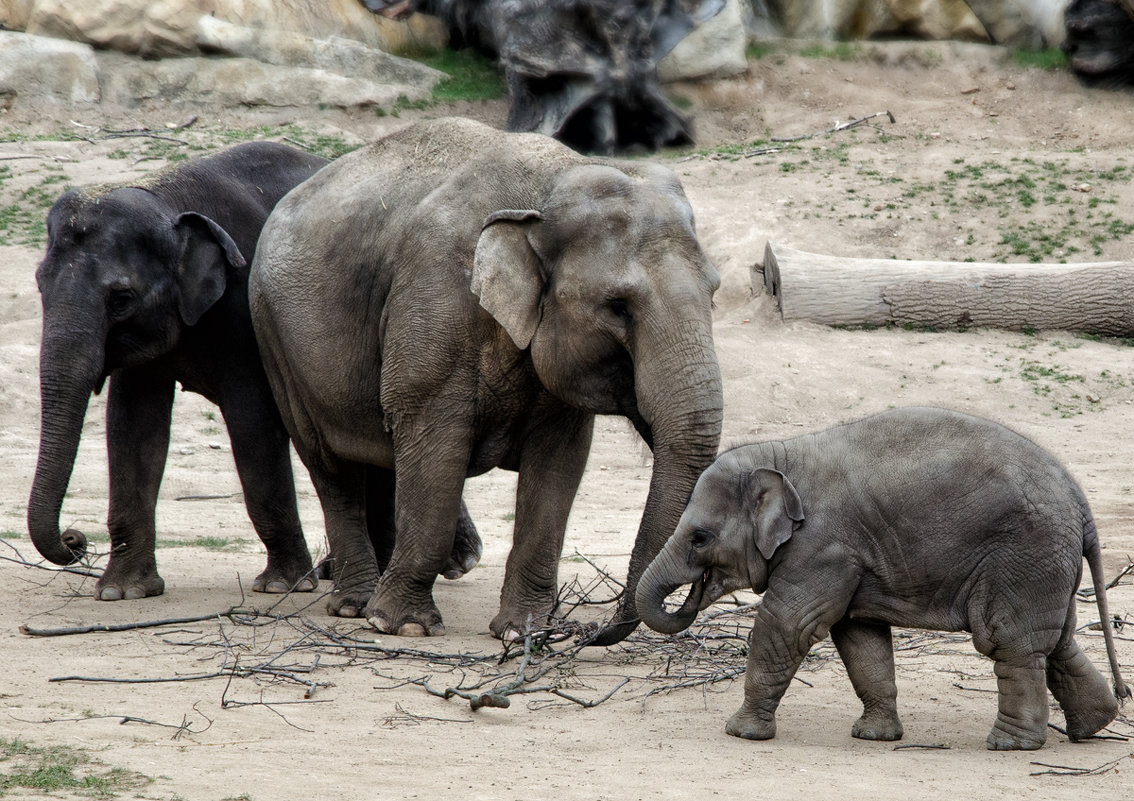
[916,517]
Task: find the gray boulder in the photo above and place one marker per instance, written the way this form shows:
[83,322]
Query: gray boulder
[714,49]
[346,57]
[44,68]
[239,82]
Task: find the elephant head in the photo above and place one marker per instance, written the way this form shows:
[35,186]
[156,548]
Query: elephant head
[121,278]
[737,517]
[609,288]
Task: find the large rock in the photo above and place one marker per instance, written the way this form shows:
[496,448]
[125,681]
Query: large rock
[45,68]
[714,49]
[335,54]
[239,82]
[1030,25]
[1014,23]
[14,14]
[161,28]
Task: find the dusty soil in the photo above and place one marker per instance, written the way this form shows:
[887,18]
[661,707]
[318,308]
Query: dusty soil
[984,161]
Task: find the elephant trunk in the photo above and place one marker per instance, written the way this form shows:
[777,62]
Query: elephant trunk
[680,400]
[68,372]
[658,582]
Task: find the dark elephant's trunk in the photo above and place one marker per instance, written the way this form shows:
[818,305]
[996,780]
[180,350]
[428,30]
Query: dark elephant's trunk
[680,399]
[69,370]
[662,577]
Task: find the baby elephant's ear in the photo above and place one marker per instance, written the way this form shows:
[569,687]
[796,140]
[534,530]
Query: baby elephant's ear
[506,275]
[775,508]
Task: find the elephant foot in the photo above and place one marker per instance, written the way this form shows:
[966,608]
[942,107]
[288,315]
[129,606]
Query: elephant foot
[277,581]
[512,625]
[347,604]
[467,550]
[749,726]
[1011,738]
[390,613]
[886,728]
[409,629]
[1084,722]
[128,586]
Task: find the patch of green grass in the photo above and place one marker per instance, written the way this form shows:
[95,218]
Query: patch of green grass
[758,50]
[209,543]
[24,222]
[1051,59]
[839,51]
[329,146]
[472,76]
[55,769]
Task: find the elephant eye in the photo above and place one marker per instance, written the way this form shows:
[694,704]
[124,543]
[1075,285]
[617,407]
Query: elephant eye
[620,308]
[119,301]
[702,538]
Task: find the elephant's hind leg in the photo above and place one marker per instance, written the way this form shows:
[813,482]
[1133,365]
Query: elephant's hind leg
[867,652]
[1088,703]
[354,569]
[1021,720]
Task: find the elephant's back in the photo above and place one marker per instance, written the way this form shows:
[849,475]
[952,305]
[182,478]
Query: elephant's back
[945,466]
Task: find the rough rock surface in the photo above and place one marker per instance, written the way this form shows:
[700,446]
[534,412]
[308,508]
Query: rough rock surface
[50,69]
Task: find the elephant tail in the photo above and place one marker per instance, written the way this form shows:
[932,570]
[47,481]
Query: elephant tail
[1093,554]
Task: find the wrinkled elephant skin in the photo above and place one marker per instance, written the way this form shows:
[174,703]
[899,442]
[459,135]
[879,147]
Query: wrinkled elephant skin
[452,299]
[146,284]
[917,517]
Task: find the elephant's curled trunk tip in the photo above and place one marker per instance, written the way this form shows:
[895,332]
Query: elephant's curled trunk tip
[1122,692]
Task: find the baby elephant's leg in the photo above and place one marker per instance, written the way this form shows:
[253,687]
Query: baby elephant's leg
[867,652]
[1088,703]
[1021,721]
[776,648]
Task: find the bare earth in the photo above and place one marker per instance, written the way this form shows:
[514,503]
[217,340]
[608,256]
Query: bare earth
[945,181]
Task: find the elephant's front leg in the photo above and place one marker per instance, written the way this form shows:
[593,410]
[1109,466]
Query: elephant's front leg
[551,467]
[786,627]
[341,486]
[138,415]
[867,651]
[263,462]
[430,467]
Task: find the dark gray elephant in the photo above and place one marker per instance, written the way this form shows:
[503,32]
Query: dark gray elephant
[916,517]
[147,284]
[452,299]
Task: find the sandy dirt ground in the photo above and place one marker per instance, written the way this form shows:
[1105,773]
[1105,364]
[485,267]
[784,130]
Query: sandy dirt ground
[986,161]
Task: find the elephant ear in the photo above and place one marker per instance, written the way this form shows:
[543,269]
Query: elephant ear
[506,275]
[206,248]
[775,508]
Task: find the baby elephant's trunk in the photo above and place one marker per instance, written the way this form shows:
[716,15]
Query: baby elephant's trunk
[656,584]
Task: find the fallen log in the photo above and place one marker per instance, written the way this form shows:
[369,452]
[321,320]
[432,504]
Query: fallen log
[1095,298]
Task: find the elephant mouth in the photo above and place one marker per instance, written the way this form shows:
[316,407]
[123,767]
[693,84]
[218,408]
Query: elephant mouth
[695,600]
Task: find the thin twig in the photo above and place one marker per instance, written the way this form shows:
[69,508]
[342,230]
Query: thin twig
[842,126]
[1064,770]
[115,627]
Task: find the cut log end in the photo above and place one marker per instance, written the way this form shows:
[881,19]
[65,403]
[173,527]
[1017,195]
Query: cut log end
[1095,298]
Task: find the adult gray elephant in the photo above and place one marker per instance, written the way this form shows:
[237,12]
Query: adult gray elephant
[452,299]
[916,517]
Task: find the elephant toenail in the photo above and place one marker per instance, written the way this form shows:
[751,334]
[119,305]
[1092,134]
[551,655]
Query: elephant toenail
[110,594]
